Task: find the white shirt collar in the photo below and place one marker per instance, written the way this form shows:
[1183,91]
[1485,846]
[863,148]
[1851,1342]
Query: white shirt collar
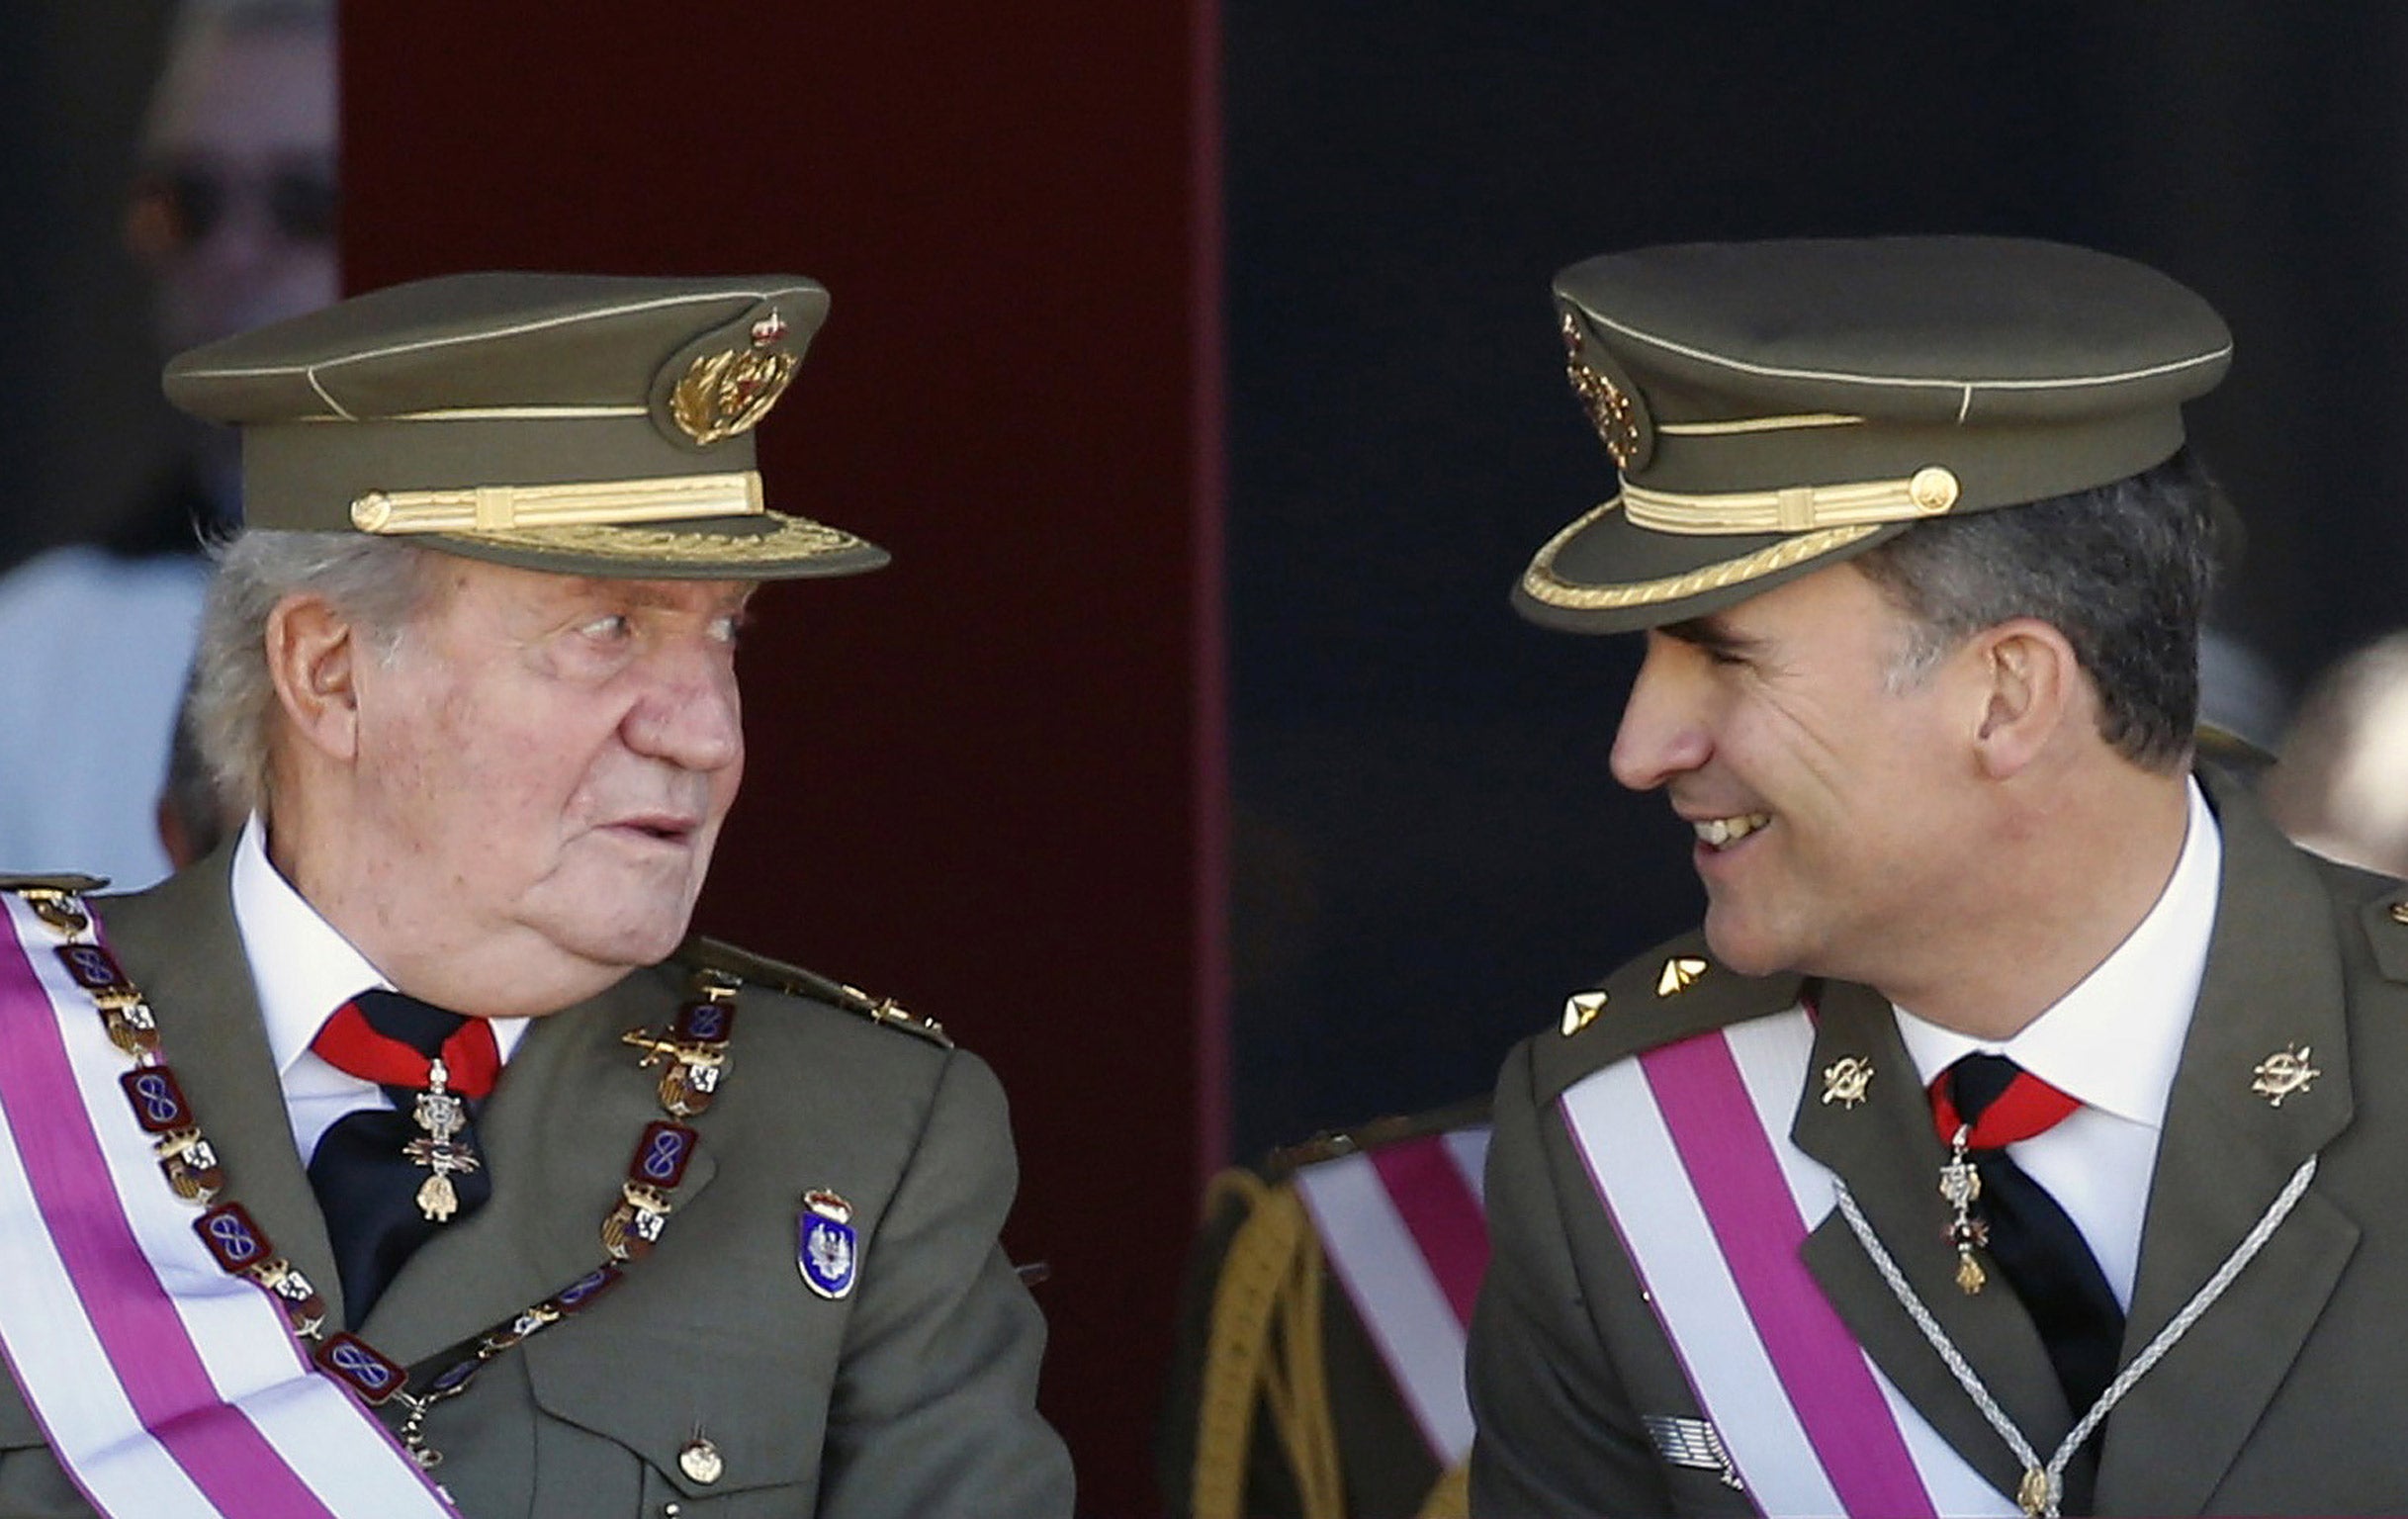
[2113,1041]
[303,968]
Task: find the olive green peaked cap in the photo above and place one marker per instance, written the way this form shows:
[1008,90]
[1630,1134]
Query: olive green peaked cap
[1776,406]
[583,423]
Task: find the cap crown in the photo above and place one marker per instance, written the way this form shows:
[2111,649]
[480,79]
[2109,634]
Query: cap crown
[594,423]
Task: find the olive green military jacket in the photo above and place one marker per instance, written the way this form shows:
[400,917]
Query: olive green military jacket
[2288,1397]
[913,1395]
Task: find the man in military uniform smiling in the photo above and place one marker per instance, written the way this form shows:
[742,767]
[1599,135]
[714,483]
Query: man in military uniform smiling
[2020,1130]
[415,1103]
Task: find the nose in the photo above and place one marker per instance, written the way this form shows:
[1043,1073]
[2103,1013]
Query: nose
[689,713]
[1662,733]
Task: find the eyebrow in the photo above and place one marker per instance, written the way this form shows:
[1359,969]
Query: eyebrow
[1712,635]
[639,594]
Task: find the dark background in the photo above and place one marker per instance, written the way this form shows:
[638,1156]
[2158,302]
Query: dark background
[1005,781]
[1430,852]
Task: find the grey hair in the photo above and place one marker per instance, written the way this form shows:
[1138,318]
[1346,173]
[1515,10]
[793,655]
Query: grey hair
[376,585]
[2122,571]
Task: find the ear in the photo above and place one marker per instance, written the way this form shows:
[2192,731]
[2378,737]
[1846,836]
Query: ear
[2033,685]
[314,660]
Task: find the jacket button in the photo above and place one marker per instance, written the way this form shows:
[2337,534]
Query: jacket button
[700,1462]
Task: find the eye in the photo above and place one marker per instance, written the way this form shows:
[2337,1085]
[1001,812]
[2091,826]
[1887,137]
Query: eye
[728,629]
[610,628]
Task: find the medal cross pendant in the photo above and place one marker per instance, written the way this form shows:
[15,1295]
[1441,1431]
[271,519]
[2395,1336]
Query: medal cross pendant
[442,1115]
[1960,1185]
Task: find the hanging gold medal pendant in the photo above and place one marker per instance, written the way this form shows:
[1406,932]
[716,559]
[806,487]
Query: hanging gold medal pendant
[1970,1277]
[438,1198]
[1961,1187]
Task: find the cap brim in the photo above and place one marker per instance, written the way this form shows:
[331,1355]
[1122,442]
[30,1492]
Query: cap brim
[1602,574]
[769,546]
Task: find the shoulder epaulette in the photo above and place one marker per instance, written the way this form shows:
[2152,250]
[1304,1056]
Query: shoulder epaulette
[1330,1145]
[1671,991]
[2387,920]
[761,970]
[70,883]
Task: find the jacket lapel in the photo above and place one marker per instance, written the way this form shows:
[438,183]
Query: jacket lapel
[1887,1154]
[179,944]
[557,1134]
[2272,983]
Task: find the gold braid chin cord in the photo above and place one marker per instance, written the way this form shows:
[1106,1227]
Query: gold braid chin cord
[1264,1347]
[1266,1343]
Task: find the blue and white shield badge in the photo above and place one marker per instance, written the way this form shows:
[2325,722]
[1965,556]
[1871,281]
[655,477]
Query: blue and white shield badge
[825,1248]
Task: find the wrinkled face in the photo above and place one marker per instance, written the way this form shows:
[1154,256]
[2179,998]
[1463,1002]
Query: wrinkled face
[544,761]
[1826,796]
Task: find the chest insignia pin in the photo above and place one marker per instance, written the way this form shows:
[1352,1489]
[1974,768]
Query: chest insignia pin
[826,1251]
[2284,1073]
[1844,1080]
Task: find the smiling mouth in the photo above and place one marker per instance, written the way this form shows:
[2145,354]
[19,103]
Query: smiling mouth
[1722,833]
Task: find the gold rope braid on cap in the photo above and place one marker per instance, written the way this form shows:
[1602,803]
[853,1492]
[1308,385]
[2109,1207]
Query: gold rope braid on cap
[1541,583]
[792,538]
[1265,1346]
[1796,509]
[579,503]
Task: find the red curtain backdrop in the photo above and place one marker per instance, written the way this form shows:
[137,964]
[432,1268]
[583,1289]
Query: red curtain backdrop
[985,782]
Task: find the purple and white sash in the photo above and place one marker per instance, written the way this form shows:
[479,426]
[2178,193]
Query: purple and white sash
[1689,1147]
[1403,1227]
[166,1387]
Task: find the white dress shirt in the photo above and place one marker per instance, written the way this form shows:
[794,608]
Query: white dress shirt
[2113,1042]
[305,970]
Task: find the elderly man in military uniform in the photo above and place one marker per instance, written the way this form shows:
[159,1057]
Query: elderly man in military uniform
[2021,1130]
[405,1156]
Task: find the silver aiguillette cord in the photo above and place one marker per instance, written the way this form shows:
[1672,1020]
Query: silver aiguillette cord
[2043,1486]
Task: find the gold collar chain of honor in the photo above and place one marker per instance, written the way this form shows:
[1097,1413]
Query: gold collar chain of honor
[695,1054]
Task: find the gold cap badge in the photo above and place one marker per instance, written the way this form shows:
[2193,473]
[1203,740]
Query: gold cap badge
[729,391]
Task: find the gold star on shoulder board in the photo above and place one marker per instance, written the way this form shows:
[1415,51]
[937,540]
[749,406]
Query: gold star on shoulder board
[1581,1009]
[1680,972]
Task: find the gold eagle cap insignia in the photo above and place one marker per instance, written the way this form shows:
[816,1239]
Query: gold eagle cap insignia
[1611,410]
[729,391]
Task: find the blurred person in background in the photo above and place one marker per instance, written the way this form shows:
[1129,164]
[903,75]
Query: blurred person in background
[2341,784]
[231,219]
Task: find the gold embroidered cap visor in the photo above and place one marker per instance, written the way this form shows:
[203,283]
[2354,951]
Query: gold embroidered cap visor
[1773,407]
[580,423]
